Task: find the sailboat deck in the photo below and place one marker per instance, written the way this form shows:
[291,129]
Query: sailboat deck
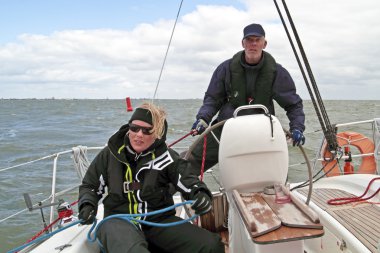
[361,219]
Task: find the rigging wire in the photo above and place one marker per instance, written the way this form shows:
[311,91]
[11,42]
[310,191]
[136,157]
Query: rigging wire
[327,128]
[315,178]
[167,50]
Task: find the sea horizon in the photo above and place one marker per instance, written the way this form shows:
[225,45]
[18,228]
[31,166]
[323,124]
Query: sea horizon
[53,98]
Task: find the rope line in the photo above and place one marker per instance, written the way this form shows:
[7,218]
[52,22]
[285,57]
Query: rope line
[39,239]
[60,216]
[167,50]
[180,139]
[320,110]
[133,218]
[315,178]
[203,157]
[129,217]
[346,200]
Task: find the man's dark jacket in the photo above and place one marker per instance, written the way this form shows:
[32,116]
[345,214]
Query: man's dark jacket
[283,90]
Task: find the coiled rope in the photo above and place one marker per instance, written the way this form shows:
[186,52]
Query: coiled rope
[134,218]
[80,160]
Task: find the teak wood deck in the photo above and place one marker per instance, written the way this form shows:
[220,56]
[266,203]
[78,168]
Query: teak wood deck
[268,222]
[362,220]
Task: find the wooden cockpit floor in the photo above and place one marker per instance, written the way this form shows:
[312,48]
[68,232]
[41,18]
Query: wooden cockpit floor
[362,220]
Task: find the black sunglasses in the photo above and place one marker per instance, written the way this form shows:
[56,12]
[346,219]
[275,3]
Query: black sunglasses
[145,130]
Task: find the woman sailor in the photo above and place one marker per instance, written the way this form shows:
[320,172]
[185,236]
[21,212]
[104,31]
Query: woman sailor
[138,168]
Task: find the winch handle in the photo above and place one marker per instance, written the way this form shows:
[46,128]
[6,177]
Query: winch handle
[29,204]
[246,107]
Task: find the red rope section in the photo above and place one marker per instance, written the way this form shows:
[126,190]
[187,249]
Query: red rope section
[342,201]
[180,139]
[203,156]
[43,230]
[60,216]
[202,166]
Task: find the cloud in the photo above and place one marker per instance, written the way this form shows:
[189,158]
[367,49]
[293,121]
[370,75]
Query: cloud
[340,39]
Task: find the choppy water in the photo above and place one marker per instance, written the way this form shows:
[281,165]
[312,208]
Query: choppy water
[30,129]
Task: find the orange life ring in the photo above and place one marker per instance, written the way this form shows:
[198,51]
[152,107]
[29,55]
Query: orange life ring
[361,142]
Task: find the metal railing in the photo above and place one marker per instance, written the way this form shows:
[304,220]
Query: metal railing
[54,194]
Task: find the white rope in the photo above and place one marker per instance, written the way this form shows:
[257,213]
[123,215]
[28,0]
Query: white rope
[81,162]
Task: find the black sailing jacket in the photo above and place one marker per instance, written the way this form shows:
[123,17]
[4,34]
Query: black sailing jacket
[156,170]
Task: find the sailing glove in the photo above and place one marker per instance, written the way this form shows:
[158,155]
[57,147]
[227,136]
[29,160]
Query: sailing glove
[199,127]
[202,203]
[87,214]
[298,137]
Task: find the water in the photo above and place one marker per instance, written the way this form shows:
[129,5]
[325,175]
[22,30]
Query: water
[30,129]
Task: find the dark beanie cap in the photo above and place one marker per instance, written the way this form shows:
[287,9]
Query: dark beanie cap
[143,115]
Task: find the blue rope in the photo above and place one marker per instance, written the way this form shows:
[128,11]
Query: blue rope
[41,238]
[133,218]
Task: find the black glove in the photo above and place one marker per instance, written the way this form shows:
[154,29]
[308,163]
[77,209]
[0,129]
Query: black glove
[87,214]
[298,137]
[202,203]
[199,126]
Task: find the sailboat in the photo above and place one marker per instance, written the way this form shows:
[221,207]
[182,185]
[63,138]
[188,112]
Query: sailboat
[335,210]
[328,213]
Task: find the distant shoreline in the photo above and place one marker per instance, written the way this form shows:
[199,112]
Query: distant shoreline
[161,99]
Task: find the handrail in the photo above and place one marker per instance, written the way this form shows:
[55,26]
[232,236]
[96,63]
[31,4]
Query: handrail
[53,185]
[355,123]
[53,193]
[46,157]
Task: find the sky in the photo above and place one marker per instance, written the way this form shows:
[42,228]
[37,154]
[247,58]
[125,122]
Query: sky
[114,49]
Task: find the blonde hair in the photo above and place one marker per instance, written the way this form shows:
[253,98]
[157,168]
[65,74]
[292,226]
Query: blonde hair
[158,119]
